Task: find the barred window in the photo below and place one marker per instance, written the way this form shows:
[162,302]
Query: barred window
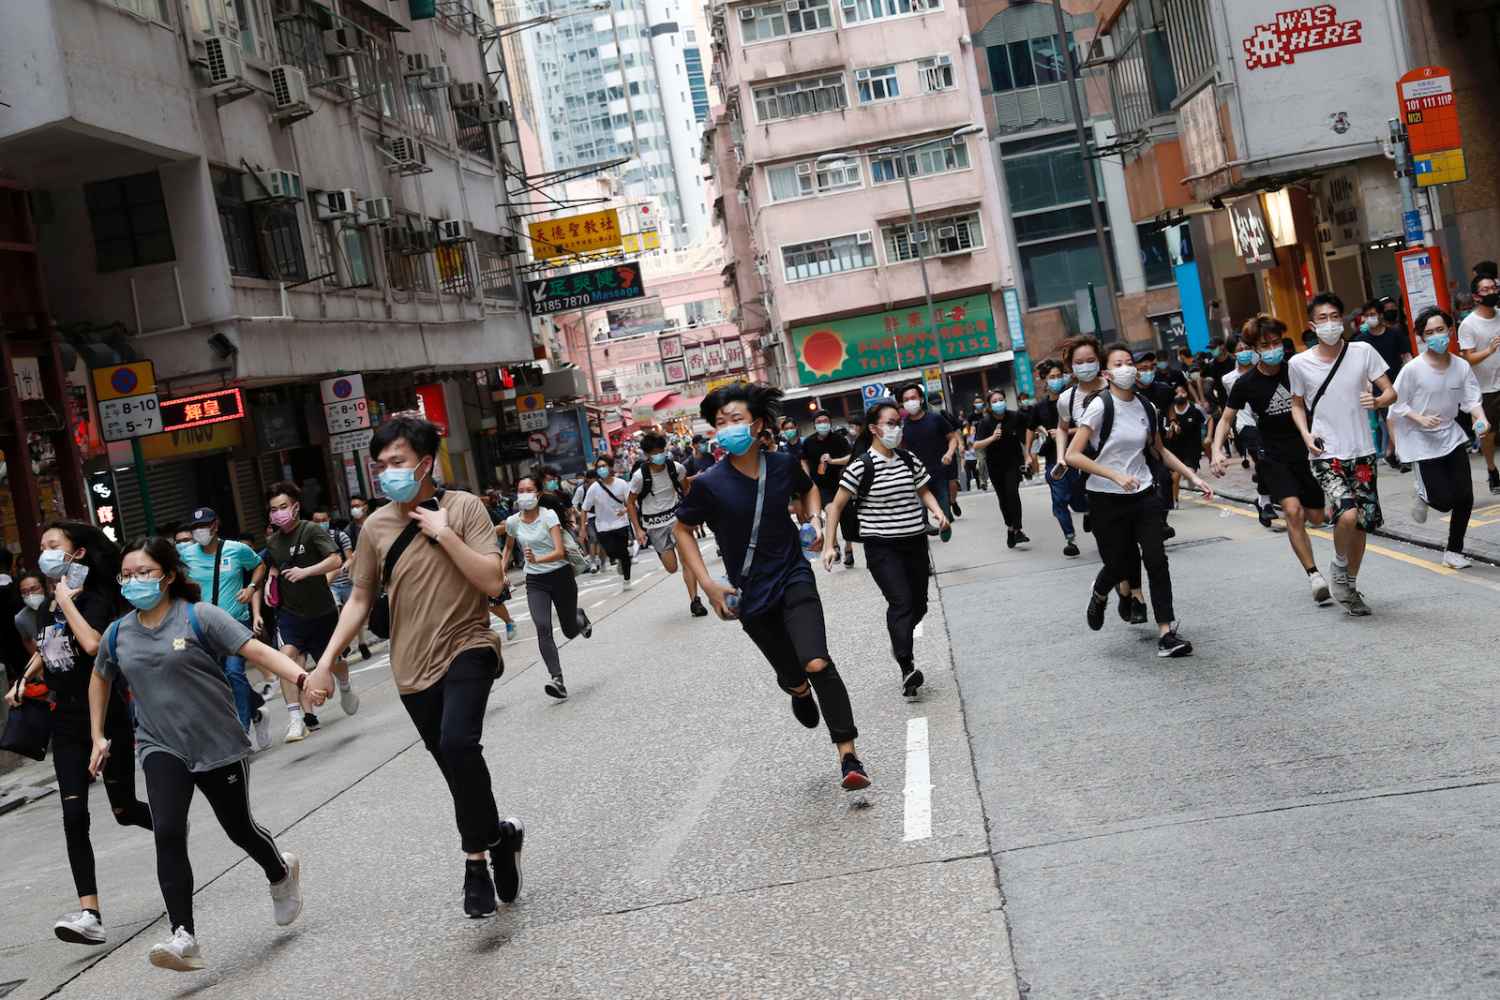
[280,242]
[299,37]
[946,234]
[801,97]
[236,222]
[820,257]
[406,272]
[453,269]
[424,108]
[497,275]
[473,134]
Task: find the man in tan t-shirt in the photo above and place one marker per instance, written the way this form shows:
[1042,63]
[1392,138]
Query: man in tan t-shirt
[444,657]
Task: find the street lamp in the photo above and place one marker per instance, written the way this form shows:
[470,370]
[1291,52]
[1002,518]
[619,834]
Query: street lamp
[831,159]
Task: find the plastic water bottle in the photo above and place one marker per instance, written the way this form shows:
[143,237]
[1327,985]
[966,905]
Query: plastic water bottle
[808,533]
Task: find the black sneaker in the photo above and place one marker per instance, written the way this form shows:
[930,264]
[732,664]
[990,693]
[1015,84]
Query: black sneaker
[311,721]
[588,628]
[1088,525]
[1495,480]
[1021,538]
[1124,605]
[1071,549]
[1405,466]
[1172,644]
[364,651]
[957,510]
[849,556]
[806,710]
[479,890]
[911,680]
[506,858]
[855,777]
[1010,539]
[1097,605]
[697,608]
[1137,611]
[1167,531]
[1393,462]
[1265,513]
[932,530]
[555,688]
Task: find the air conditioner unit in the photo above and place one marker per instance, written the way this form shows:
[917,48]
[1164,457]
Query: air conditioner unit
[917,233]
[864,237]
[1099,49]
[742,196]
[417,241]
[343,41]
[408,152]
[861,74]
[804,169]
[734,316]
[455,231]
[943,60]
[956,140]
[467,95]
[947,232]
[413,64]
[226,61]
[289,88]
[747,13]
[342,203]
[762,268]
[792,6]
[494,111]
[373,211]
[439,77]
[272,185]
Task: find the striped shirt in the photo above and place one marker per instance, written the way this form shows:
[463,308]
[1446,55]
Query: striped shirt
[891,509]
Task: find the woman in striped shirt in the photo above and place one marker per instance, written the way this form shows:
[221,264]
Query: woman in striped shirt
[889,488]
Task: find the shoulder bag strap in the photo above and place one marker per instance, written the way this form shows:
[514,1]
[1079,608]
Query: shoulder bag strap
[760,503]
[192,613]
[218,561]
[408,534]
[109,640]
[1311,407]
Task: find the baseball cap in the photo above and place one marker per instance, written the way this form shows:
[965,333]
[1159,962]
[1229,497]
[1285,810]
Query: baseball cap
[1145,356]
[203,515]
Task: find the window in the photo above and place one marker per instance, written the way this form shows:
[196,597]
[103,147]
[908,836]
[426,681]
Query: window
[473,134]
[359,257]
[452,262]
[800,97]
[1190,37]
[299,37]
[374,77]
[496,275]
[236,222]
[1054,226]
[802,180]
[156,10]
[128,216]
[280,242]
[1028,62]
[935,74]
[859,11]
[934,158]
[1141,75]
[406,272]
[842,253]
[878,83]
[776,21]
[948,234]
[424,108]
[1053,272]
[1045,180]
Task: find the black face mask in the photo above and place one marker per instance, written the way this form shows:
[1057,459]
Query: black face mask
[1490,301]
[1390,317]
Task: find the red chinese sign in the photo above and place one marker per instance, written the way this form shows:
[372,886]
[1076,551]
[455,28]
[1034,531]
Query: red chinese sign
[1297,31]
[1428,111]
[204,408]
[576,234]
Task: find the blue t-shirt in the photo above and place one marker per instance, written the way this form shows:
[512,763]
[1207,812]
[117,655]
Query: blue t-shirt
[724,499]
[235,557]
[927,439]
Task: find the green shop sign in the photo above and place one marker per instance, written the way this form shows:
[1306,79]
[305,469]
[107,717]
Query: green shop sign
[873,343]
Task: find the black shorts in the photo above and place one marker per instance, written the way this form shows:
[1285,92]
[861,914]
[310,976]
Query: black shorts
[1279,480]
[310,635]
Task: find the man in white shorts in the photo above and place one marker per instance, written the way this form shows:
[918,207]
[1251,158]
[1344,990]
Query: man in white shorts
[656,488]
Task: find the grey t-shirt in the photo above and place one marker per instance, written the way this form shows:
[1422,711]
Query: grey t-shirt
[183,705]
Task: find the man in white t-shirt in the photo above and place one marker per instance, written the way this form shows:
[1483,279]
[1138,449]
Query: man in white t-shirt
[656,488]
[604,505]
[1331,397]
[1479,345]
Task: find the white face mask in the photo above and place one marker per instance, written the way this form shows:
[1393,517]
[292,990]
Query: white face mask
[357,513]
[1330,332]
[1123,378]
[525,501]
[891,436]
[35,601]
[912,406]
[822,428]
[203,536]
[1086,371]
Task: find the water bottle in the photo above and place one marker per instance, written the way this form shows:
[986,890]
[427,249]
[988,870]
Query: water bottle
[808,534]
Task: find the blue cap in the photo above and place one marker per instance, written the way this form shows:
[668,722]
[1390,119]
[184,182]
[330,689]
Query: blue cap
[203,515]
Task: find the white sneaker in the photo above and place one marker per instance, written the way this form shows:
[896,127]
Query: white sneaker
[268,689]
[1418,504]
[286,895]
[80,928]
[1319,586]
[260,730]
[296,730]
[349,701]
[179,954]
[628,585]
[1456,560]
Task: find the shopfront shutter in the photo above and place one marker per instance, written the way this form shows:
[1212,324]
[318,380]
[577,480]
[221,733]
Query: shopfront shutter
[174,494]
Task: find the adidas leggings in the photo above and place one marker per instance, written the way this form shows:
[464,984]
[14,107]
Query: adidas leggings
[544,591]
[169,789]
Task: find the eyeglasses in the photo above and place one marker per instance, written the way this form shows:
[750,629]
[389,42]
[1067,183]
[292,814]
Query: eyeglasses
[145,575]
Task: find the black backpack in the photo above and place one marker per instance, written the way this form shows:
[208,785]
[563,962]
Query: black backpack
[643,466]
[1096,443]
[867,470]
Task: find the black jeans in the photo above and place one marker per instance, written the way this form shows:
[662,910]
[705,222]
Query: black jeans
[616,545]
[790,636]
[544,591]
[1007,480]
[72,745]
[899,568]
[169,786]
[449,716]
[1446,484]
[1128,529]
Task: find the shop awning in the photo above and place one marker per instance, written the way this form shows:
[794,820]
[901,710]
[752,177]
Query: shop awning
[677,408]
[643,410]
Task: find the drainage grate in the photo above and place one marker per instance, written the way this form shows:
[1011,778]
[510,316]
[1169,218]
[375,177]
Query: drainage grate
[1195,542]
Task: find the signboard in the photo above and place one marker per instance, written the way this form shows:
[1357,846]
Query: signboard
[674,372]
[1428,111]
[875,342]
[1022,368]
[933,381]
[530,402]
[103,504]
[204,408]
[126,417]
[115,381]
[350,441]
[352,415]
[1294,32]
[715,383]
[639,318]
[1252,235]
[574,234]
[563,444]
[697,363]
[351,476]
[1446,167]
[734,354]
[432,401]
[1423,283]
[585,289]
[875,390]
[639,242]
[1412,223]
[341,388]
[1344,207]
[1012,302]
[1202,133]
[713,357]
[28,372]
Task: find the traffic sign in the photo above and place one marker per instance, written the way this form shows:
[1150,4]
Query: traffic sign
[117,381]
[537,443]
[1444,167]
[1428,111]
[873,391]
[341,388]
[350,441]
[350,415]
[126,417]
[534,401]
[534,420]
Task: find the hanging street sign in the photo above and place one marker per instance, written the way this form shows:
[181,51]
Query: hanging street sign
[203,408]
[128,404]
[585,289]
[574,234]
[342,387]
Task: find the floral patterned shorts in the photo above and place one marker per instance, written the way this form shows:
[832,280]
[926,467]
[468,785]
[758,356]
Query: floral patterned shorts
[1350,485]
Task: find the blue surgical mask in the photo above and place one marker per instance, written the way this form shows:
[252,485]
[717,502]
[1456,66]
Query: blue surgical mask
[736,438]
[998,409]
[1245,357]
[1162,366]
[401,485]
[321,524]
[1146,377]
[790,434]
[1057,384]
[660,459]
[1272,357]
[53,562]
[1216,352]
[1438,342]
[551,484]
[144,594]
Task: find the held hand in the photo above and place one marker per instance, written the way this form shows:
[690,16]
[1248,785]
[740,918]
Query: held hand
[99,756]
[948,458]
[1481,428]
[817,542]
[243,597]
[942,522]
[13,696]
[1431,420]
[63,592]
[716,593]
[1127,483]
[823,465]
[644,540]
[1367,400]
[1058,470]
[1216,464]
[432,522]
[319,687]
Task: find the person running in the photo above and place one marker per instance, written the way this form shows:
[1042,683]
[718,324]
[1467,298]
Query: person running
[1285,475]
[1062,479]
[1004,436]
[1479,345]
[790,440]
[1242,423]
[656,488]
[444,656]
[536,531]
[1182,430]
[189,736]
[302,556]
[83,565]
[825,456]
[1430,393]
[1124,432]
[605,501]
[1330,402]
[770,587]
[588,532]
[933,438]
[890,491]
[1379,326]
[219,567]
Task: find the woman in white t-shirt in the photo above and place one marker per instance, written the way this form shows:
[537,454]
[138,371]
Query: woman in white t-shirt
[1127,516]
[1430,392]
[538,531]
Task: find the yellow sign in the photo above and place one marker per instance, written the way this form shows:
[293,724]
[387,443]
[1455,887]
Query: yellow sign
[574,234]
[711,386]
[1445,167]
[210,437]
[637,242]
[526,404]
[117,381]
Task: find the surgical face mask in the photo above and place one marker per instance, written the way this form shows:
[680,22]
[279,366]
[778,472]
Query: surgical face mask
[1057,384]
[284,518]
[203,536]
[1216,352]
[1330,332]
[736,438]
[1490,300]
[1245,357]
[1025,404]
[401,485]
[659,459]
[357,513]
[1086,371]
[1437,341]
[998,409]
[912,406]
[1123,378]
[551,484]
[53,562]
[1162,366]
[603,470]
[1272,357]
[526,501]
[891,436]
[144,594]
[1367,325]
[790,434]
[35,601]
[822,429]
[1146,377]
[322,524]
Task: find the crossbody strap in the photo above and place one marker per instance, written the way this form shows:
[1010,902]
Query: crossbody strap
[760,503]
[408,534]
[1313,406]
[218,561]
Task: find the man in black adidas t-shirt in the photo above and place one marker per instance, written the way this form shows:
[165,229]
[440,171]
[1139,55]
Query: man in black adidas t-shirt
[1005,437]
[825,456]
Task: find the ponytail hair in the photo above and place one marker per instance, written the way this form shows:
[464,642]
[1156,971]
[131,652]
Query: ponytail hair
[866,436]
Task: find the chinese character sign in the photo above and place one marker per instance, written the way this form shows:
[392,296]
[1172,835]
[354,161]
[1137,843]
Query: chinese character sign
[882,342]
[697,364]
[713,357]
[575,234]
[734,355]
[584,289]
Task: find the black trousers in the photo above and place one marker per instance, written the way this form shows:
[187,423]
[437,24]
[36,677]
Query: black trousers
[1128,529]
[449,716]
[616,545]
[72,746]
[899,568]
[790,636]
[1446,484]
[170,786]
[1007,479]
[545,591]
